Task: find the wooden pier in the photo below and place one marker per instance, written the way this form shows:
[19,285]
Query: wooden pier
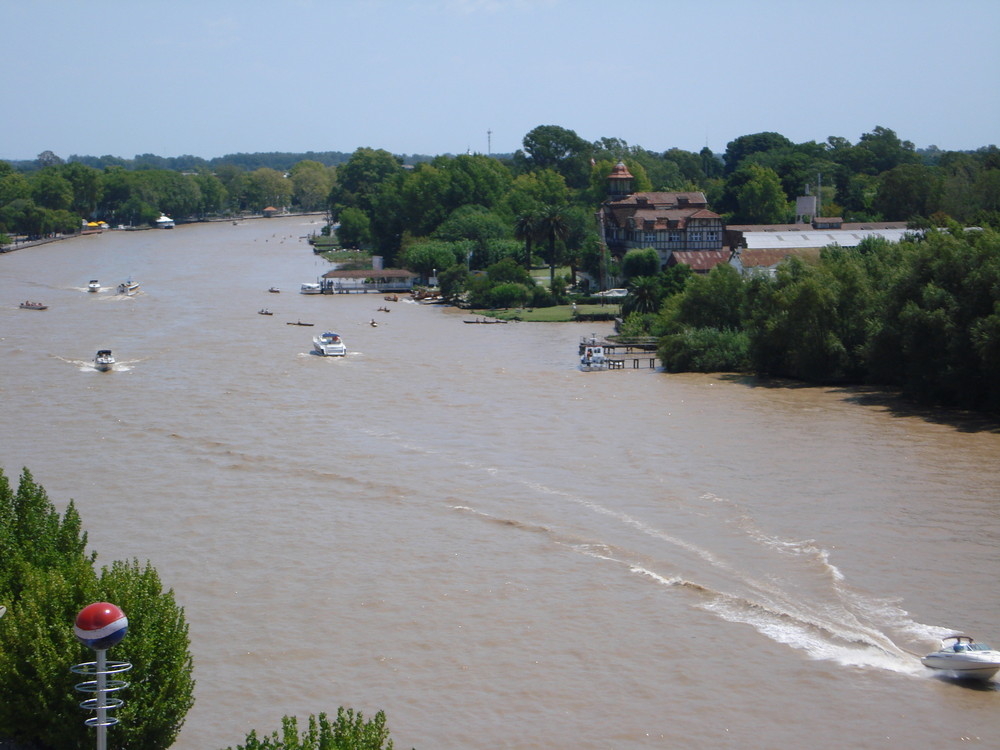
[619,363]
[632,355]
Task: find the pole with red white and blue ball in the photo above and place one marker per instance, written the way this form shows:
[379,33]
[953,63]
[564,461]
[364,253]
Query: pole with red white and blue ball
[100,626]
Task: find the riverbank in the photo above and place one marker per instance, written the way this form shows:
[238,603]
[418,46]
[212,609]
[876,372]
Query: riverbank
[19,244]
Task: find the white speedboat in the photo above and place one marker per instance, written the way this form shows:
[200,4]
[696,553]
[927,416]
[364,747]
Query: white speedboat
[94,286]
[960,656]
[104,360]
[128,287]
[329,344]
[311,288]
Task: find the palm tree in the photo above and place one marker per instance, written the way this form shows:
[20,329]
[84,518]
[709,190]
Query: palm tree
[644,295]
[526,228]
[552,226]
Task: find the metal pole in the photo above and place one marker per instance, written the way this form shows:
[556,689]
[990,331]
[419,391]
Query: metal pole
[102,696]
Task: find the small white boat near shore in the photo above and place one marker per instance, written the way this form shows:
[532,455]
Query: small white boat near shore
[310,288]
[329,344]
[593,358]
[960,656]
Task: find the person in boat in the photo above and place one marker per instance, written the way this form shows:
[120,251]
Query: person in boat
[960,647]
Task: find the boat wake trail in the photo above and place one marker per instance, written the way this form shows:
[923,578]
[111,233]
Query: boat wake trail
[715,554]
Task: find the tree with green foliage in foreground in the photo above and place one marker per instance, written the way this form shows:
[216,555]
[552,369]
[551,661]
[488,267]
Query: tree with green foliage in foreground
[350,731]
[46,578]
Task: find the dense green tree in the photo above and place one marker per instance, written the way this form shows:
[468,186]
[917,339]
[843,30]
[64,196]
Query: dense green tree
[48,159]
[906,191]
[13,186]
[761,200]
[472,222]
[49,189]
[424,198]
[887,149]
[559,149]
[355,230]
[797,166]
[533,191]
[426,257]
[22,216]
[644,262]
[212,194]
[475,179]
[46,578]
[714,300]
[935,334]
[740,148]
[359,179]
[311,184]
[87,185]
[267,187]
[704,350]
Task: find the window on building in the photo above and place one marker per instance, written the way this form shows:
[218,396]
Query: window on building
[650,237]
[675,236]
[694,236]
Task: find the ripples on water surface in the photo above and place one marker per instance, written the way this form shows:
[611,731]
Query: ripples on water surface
[455,525]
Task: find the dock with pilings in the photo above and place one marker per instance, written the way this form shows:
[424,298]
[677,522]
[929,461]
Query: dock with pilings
[622,355]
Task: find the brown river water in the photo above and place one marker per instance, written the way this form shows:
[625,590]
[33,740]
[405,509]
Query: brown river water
[455,525]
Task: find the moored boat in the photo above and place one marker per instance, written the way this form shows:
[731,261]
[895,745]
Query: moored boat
[274,290]
[964,658]
[593,358]
[165,222]
[329,344]
[29,305]
[264,311]
[104,360]
[311,288]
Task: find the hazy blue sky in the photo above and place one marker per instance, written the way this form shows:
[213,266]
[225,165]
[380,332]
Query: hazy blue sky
[211,77]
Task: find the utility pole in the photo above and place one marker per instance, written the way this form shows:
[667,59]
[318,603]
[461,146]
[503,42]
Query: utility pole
[489,142]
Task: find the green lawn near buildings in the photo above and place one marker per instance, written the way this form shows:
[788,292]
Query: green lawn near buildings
[557,314]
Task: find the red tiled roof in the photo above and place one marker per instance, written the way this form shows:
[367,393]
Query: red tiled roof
[768,258]
[699,260]
[620,172]
[664,200]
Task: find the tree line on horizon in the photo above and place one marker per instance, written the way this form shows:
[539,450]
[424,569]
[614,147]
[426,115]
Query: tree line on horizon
[391,200]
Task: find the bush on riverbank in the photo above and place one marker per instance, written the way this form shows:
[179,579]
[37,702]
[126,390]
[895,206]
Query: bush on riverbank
[349,731]
[922,315]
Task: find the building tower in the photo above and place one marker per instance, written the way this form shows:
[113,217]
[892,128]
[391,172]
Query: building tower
[619,182]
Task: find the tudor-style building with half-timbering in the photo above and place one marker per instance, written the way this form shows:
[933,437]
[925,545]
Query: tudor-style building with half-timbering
[666,222]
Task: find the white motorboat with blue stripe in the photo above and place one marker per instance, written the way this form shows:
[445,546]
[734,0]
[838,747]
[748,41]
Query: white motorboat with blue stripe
[960,656]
